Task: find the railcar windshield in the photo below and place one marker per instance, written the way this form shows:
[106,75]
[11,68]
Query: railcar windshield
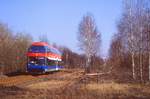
[37,49]
[43,49]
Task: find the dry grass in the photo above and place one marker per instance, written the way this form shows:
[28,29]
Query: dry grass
[90,91]
[53,84]
[121,90]
[69,85]
[108,88]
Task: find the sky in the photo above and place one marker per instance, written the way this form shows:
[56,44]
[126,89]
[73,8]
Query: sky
[59,19]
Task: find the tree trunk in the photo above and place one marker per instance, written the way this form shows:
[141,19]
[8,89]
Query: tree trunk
[149,66]
[67,60]
[133,66]
[141,68]
[88,61]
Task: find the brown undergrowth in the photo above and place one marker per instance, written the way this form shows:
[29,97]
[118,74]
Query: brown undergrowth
[75,85]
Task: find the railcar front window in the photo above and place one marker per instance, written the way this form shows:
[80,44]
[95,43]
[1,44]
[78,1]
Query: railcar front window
[36,61]
[37,49]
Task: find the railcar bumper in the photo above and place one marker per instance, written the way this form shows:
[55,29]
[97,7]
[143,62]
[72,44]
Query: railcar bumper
[40,68]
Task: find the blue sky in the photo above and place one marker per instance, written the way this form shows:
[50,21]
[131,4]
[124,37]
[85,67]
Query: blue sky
[59,19]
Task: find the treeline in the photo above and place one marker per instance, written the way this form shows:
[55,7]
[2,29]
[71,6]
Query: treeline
[75,60]
[13,48]
[129,53]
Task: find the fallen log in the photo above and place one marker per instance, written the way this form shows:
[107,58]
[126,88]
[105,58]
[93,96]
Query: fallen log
[96,74]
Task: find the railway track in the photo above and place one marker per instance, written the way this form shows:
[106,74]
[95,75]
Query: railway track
[25,80]
[58,80]
[16,80]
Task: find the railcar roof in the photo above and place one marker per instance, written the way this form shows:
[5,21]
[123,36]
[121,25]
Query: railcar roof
[55,50]
[40,44]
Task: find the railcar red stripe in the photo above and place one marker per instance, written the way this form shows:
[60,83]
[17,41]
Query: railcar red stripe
[29,54]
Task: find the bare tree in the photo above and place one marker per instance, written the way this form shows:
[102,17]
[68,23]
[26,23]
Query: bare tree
[21,44]
[147,31]
[139,13]
[119,58]
[89,39]
[131,27]
[126,29]
[12,50]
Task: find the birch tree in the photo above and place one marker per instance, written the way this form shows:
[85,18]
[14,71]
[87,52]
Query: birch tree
[131,28]
[140,20]
[147,31]
[89,38]
[126,30]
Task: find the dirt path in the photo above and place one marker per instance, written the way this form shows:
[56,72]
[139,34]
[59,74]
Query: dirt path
[46,81]
[57,80]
